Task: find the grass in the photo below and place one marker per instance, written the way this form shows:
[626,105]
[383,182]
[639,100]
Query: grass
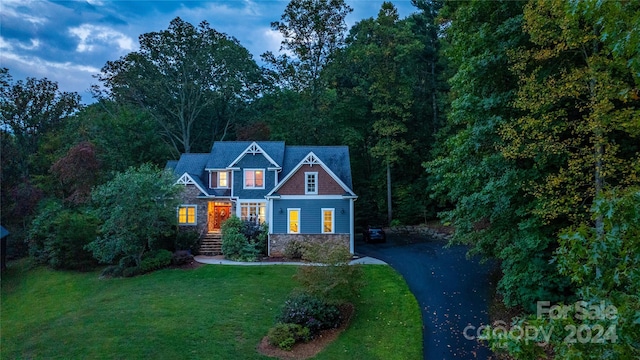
[218,312]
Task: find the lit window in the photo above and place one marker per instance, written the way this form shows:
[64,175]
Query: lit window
[327,221]
[187,215]
[311,183]
[254,179]
[223,179]
[255,212]
[294,221]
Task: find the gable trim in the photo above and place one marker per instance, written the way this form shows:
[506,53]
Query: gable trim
[186,179]
[254,149]
[312,159]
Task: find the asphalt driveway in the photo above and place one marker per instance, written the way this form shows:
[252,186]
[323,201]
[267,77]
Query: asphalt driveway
[453,293]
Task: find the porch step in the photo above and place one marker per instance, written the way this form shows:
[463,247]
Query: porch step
[211,244]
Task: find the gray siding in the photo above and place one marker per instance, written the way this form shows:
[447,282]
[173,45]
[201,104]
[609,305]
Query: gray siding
[311,215]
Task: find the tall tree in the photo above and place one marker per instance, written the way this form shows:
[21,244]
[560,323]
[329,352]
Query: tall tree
[186,76]
[312,31]
[124,135]
[30,111]
[483,186]
[384,46]
[429,86]
[31,108]
[580,125]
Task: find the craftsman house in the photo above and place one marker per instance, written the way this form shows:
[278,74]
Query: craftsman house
[302,192]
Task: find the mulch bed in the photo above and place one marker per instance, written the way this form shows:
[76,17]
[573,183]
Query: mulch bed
[190,265]
[308,350]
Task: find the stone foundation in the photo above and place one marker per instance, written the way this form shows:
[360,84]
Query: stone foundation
[278,242]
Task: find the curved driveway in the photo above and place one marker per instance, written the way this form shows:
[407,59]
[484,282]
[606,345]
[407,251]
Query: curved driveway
[453,293]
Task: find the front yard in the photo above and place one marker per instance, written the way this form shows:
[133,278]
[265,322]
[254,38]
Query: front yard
[218,312]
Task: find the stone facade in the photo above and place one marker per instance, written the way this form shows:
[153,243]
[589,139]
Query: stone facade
[189,197]
[278,242]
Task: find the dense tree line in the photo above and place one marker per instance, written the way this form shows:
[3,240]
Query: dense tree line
[539,152]
[518,123]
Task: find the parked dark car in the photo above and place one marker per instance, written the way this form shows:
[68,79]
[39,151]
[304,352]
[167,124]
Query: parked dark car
[374,234]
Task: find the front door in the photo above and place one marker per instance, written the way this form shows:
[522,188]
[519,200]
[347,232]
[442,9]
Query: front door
[218,213]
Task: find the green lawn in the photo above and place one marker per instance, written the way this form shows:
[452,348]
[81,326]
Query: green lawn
[213,312]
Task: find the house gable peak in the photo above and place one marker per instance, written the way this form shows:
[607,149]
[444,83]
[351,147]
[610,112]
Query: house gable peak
[311,159]
[187,179]
[254,149]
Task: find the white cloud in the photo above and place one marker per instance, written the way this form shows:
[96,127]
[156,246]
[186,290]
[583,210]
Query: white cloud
[35,43]
[272,40]
[213,10]
[69,76]
[38,63]
[251,8]
[91,36]
[10,45]
[10,9]
[5,45]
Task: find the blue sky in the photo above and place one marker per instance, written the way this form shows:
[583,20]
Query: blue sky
[69,41]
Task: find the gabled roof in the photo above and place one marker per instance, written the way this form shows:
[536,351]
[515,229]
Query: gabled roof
[334,160]
[193,166]
[226,154]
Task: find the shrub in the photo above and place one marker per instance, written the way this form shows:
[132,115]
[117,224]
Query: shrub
[293,249]
[187,240]
[311,312]
[131,271]
[66,248]
[337,281]
[235,245]
[285,335]
[58,237]
[261,238]
[42,228]
[181,257]
[231,224]
[250,230]
[155,260]
[137,207]
[112,270]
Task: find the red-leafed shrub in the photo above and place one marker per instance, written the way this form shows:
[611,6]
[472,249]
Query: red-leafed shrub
[77,172]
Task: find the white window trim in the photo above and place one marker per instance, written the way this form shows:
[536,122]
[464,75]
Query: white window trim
[244,183]
[218,183]
[306,183]
[333,220]
[195,211]
[254,201]
[289,210]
